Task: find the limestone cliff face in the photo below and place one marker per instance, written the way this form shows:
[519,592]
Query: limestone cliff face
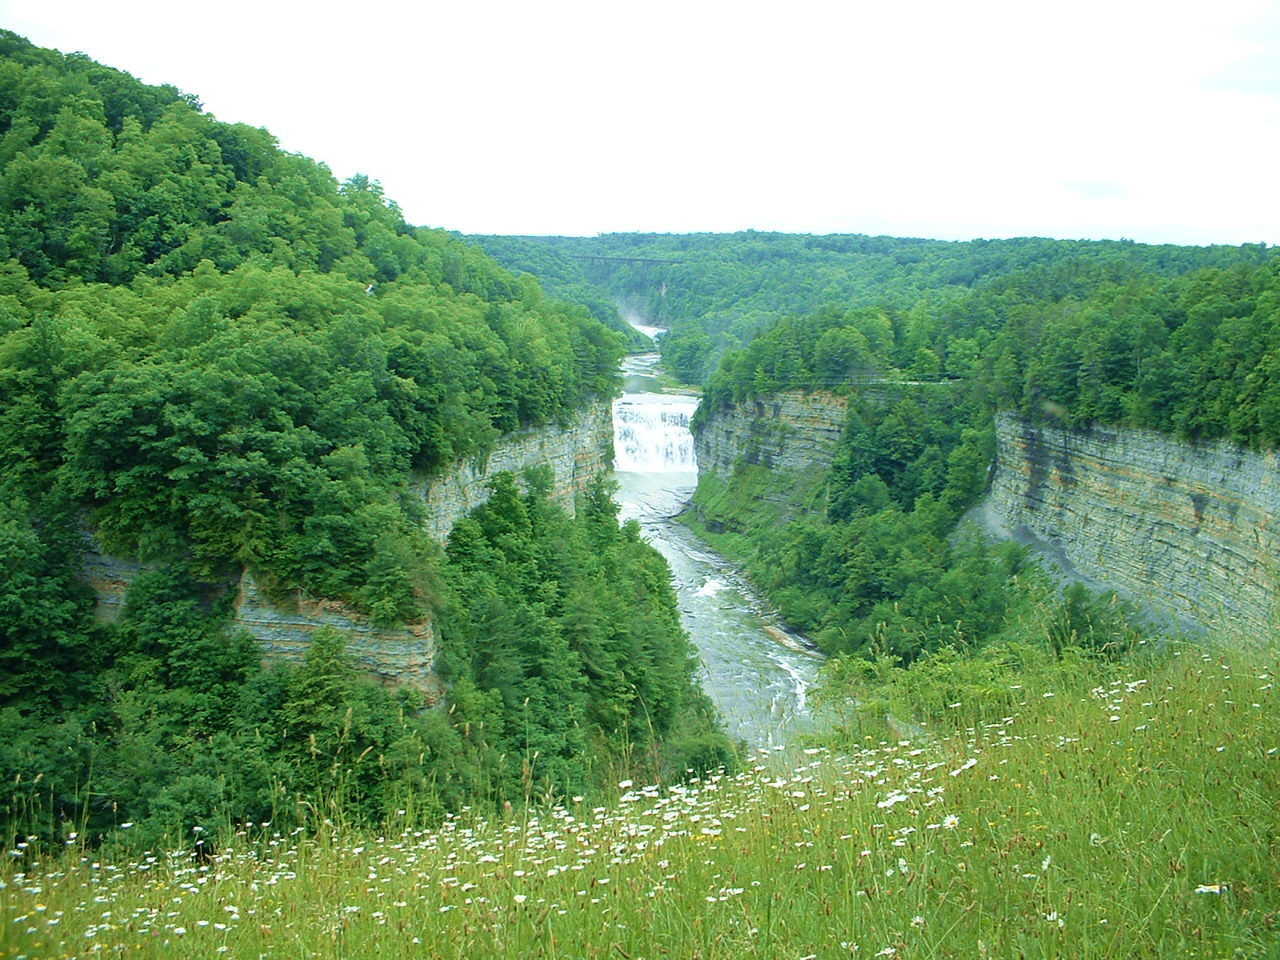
[784,443]
[1186,528]
[576,453]
[786,431]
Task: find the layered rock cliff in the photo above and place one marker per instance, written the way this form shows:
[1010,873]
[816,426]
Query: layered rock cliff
[576,453]
[766,458]
[1188,529]
[787,431]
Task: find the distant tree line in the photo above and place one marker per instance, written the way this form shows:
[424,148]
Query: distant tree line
[725,289]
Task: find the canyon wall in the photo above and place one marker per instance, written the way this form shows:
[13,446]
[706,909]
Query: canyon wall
[1187,529]
[786,431]
[576,453]
[766,459]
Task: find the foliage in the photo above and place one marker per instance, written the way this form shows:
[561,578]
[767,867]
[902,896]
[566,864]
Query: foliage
[1084,334]
[1102,810]
[231,359]
[215,358]
[564,277]
[567,640]
[723,290]
[560,683]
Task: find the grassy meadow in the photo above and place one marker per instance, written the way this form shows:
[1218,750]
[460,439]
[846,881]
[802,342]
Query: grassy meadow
[1117,810]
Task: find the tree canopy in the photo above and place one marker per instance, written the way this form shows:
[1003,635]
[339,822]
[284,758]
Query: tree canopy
[213,357]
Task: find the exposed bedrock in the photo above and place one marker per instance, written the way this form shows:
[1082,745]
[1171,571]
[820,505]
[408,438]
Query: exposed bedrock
[785,431]
[1186,528]
[576,453]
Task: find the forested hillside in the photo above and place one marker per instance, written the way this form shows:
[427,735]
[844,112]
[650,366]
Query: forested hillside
[214,357]
[721,290]
[927,339]
[1074,342]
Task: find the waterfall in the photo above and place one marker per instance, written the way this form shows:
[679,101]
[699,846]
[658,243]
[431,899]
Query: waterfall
[758,682]
[651,433]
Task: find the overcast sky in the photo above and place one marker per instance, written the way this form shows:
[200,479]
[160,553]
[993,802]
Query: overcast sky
[1157,120]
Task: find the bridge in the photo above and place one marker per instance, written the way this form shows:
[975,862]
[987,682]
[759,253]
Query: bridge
[594,259]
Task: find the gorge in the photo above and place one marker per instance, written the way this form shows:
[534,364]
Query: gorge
[576,453]
[757,674]
[1186,530]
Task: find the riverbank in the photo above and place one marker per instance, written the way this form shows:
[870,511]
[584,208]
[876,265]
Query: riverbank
[759,685]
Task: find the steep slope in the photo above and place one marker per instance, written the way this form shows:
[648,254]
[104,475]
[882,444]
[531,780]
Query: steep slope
[1186,528]
[251,406]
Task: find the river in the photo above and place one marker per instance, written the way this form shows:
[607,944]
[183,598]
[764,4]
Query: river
[758,676]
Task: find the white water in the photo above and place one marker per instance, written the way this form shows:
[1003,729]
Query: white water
[759,684]
[651,433]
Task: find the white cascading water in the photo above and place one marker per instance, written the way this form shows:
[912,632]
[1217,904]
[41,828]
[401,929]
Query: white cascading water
[758,684]
[650,428]
[651,433]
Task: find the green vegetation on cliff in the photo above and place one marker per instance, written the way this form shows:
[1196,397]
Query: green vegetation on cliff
[214,357]
[871,562]
[232,360]
[560,683]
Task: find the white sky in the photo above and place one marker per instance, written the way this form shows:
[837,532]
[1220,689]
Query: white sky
[1157,120]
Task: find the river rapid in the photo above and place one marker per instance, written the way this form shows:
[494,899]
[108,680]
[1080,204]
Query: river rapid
[757,675]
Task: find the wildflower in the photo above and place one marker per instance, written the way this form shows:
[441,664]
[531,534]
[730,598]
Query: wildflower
[971,762]
[917,921]
[950,822]
[625,784]
[1218,888]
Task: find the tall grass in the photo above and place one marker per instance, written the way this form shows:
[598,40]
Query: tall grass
[1112,812]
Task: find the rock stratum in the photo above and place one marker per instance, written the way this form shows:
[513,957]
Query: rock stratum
[790,430]
[766,459]
[1186,530]
[576,453]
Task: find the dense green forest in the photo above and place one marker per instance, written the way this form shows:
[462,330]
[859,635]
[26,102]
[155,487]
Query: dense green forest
[721,290]
[927,340]
[563,276]
[215,357]
[1074,342]
[875,564]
